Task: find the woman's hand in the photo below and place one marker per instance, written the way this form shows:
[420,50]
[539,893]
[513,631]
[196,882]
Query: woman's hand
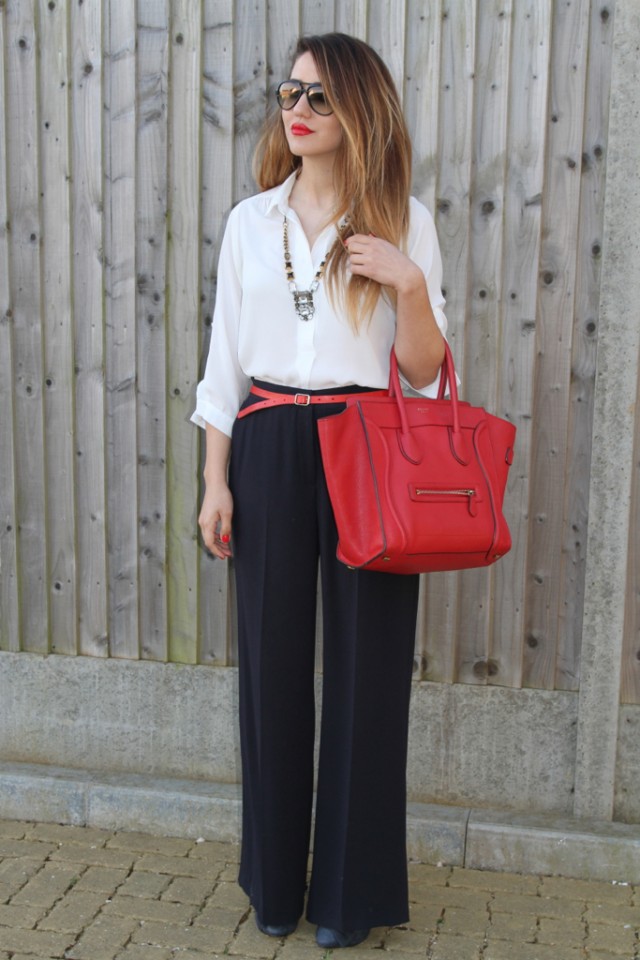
[215,519]
[418,342]
[379,260]
[217,506]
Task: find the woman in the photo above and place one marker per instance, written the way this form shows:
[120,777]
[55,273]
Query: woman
[319,275]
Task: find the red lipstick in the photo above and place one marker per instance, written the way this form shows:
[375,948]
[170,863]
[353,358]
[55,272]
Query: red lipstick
[300,130]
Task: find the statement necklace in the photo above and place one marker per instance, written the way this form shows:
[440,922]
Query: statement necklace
[302,299]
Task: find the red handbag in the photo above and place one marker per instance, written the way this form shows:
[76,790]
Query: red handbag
[417,484]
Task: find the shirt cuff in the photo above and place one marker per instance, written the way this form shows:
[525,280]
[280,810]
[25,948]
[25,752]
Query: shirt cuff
[206,413]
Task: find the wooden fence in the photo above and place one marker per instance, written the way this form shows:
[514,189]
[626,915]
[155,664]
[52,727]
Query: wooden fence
[126,132]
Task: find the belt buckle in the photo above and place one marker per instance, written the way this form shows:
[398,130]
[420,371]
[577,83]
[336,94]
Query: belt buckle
[302,399]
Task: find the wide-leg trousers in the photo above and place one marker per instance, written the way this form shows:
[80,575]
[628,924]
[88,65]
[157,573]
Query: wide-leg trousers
[283,526]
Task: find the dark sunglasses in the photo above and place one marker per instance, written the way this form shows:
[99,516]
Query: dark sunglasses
[289,92]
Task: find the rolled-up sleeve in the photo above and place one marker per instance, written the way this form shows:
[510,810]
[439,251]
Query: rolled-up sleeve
[424,249]
[224,385]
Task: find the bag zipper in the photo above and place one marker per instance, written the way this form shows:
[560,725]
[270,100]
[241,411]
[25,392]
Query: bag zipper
[420,491]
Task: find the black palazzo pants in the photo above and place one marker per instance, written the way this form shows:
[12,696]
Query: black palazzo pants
[282,527]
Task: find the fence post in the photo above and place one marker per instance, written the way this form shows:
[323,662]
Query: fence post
[613,436]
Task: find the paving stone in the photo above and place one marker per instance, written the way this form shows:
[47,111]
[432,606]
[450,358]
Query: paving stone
[513,927]
[215,851]
[249,942]
[137,951]
[15,829]
[179,937]
[146,843]
[92,855]
[466,923]
[501,950]
[455,948]
[604,955]
[427,873]
[103,938]
[143,884]
[14,874]
[23,956]
[105,879]
[48,885]
[424,918]
[295,950]
[616,939]
[229,895]
[562,931]
[570,889]
[155,910]
[461,897]
[409,941]
[538,906]
[613,913]
[213,916]
[186,889]
[20,916]
[178,866]
[480,879]
[74,912]
[66,833]
[229,873]
[513,883]
[25,849]
[43,943]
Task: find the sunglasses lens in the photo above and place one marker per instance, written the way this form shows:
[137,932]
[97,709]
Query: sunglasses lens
[318,101]
[288,94]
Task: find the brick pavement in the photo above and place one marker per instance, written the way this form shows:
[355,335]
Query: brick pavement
[86,894]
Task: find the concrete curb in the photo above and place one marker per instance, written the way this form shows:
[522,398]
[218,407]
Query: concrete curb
[462,837]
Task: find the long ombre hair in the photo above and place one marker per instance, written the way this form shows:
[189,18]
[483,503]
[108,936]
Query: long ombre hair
[373,163]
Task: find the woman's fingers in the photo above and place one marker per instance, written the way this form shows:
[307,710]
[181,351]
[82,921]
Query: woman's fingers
[215,522]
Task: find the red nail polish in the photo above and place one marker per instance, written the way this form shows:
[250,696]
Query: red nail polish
[225,538]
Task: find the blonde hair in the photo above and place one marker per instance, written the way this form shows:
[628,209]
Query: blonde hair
[373,163]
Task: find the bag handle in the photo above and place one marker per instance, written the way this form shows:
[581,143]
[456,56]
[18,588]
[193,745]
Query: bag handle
[409,446]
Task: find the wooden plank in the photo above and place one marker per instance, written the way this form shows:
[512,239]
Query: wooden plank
[317,16]
[352,18]
[214,600]
[9,606]
[57,326]
[283,29]
[421,94]
[483,327]
[182,332]
[528,85]
[387,28]
[455,148]
[120,341]
[23,187]
[554,328]
[87,208]
[420,104]
[584,344]
[151,248]
[630,673]
[250,85]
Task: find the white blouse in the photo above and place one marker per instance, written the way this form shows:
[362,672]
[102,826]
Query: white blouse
[256,331]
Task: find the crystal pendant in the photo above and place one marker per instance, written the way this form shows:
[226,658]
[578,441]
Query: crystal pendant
[304,304]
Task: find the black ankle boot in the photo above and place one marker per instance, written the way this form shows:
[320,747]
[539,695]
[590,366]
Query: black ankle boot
[275,929]
[330,939]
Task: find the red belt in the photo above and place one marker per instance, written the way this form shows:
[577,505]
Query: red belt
[274,399]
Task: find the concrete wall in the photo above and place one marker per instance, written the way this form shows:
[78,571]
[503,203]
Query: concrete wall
[469,746]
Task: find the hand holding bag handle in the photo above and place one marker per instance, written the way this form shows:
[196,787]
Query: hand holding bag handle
[417,484]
